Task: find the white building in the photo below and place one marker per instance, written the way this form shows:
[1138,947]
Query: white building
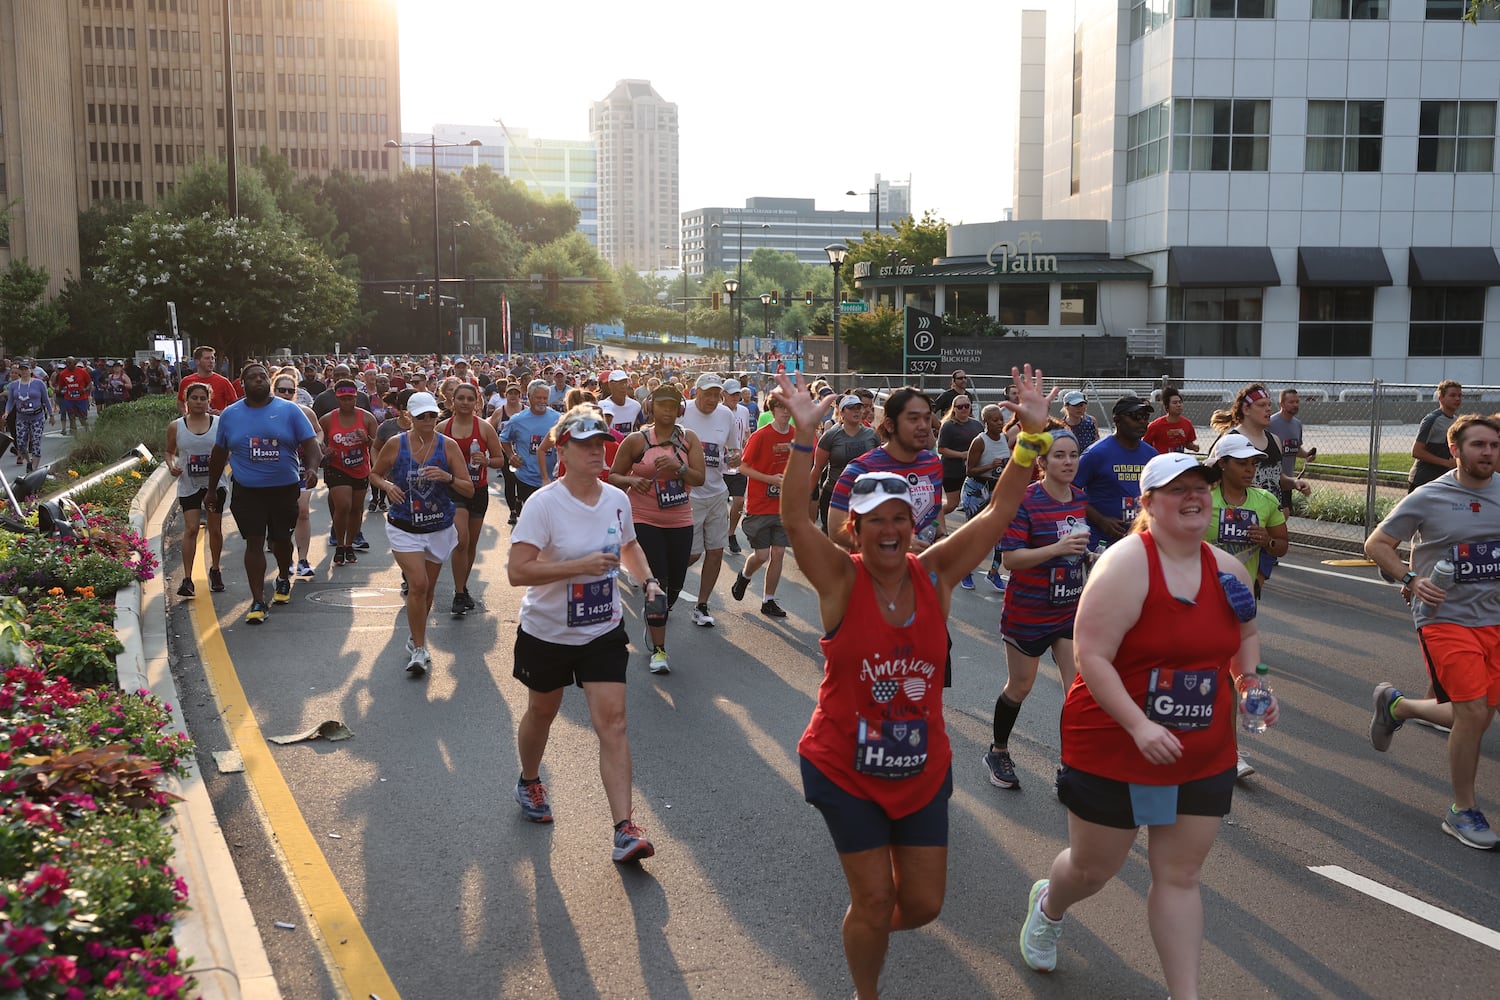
[635,138]
[1312,182]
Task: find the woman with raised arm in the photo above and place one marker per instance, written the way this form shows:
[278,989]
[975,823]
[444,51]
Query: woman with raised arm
[875,757]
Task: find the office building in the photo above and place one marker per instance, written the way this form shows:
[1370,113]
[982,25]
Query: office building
[635,140]
[714,238]
[123,97]
[889,200]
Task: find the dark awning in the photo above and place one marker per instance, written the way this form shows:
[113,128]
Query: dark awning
[1342,267]
[1221,267]
[1453,267]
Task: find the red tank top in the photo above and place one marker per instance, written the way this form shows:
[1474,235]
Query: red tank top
[1189,646]
[349,446]
[474,450]
[880,706]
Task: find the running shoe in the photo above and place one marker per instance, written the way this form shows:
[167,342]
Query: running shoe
[338,556]
[1383,724]
[1002,769]
[186,589]
[771,609]
[468,601]
[967,582]
[1470,828]
[1242,767]
[701,617]
[631,843]
[734,543]
[659,663]
[514,517]
[532,798]
[373,506]
[419,661]
[360,543]
[996,581]
[304,570]
[1039,933]
[409,644]
[257,615]
[283,592]
[215,580]
[459,607]
[741,584]
[349,556]
[332,538]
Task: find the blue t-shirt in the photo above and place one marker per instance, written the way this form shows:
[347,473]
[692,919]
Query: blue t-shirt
[525,432]
[1110,476]
[264,442]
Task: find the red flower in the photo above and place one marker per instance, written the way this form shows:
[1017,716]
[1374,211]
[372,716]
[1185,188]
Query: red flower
[24,938]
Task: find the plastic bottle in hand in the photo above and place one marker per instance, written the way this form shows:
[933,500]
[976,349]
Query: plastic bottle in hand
[612,547]
[1441,577]
[1255,701]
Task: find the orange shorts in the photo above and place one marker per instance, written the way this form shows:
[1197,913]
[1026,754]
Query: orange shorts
[1463,661]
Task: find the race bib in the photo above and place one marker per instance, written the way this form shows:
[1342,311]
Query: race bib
[1476,561]
[772,490]
[885,749]
[591,603]
[671,492]
[1182,699]
[265,449]
[1064,584]
[197,465]
[711,454]
[1234,527]
[354,458]
[426,513]
[1129,508]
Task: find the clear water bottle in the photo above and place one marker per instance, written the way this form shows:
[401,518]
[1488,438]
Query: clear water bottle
[1255,701]
[612,547]
[1098,551]
[1443,572]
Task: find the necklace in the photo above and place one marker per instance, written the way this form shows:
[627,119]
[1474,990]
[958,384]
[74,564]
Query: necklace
[424,446]
[890,602]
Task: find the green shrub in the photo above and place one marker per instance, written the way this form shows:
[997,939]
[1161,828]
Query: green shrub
[121,427]
[1343,506]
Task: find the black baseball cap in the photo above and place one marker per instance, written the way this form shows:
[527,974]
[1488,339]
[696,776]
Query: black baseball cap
[1131,404]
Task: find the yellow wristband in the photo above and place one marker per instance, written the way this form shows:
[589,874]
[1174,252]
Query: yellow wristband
[1039,443]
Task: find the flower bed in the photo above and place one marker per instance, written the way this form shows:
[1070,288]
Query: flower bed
[87,897]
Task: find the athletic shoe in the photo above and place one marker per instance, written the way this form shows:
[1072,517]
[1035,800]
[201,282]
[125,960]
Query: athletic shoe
[532,798]
[701,617]
[514,517]
[1242,767]
[360,543]
[771,609]
[373,507]
[257,613]
[409,644]
[349,556]
[1470,828]
[1039,933]
[338,556]
[734,543]
[418,662]
[459,607]
[741,584]
[631,843]
[469,604]
[996,581]
[186,589]
[304,570]
[215,580]
[332,538]
[967,582]
[283,592]
[1383,724]
[659,662]
[1002,769]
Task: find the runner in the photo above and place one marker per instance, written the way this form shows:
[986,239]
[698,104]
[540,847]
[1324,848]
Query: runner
[840,445]
[718,433]
[958,430]
[480,446]
[521,440]
[1077,419]
[1287,427]
[350,433]
[1109,472]
[27,398]
[421,470]
[734,480]
[988,455]
[571,626]
[907,428]
[624,412]
[763,462]
[1171,431]
[284,383]
[205,357]
[1430,453]
[74,388]
[193,435]
[512,405]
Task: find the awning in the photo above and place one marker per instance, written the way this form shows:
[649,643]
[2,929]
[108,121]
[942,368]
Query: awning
[1453,267]
[1221,267]
[1342,267]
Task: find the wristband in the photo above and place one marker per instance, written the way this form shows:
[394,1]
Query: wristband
[807,448]
[1029,446]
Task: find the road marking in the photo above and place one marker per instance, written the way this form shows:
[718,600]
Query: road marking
[1328,572]
[342,939]
[1401,901]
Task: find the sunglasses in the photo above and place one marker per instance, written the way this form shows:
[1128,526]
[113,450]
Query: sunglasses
[895,487]
[289,391]
[962,406]
[424,416]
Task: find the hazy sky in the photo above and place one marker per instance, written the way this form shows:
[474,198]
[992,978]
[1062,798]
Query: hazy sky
[778,98]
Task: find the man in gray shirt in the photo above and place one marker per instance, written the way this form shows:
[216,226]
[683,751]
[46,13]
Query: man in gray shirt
[1288,430]
[1456,517]
[1430,453]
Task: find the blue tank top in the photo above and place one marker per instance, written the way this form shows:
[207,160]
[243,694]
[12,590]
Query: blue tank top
[428,504]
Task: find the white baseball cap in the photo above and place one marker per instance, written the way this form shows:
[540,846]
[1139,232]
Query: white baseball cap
[420,403]
[731,385]
[1162,469]
[708,380]
[1233,446]
[871,489]
[618,376]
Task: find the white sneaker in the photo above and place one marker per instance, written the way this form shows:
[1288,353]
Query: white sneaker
[701,616]
[1242,767]
[659,662]
[409,644]
[419,663]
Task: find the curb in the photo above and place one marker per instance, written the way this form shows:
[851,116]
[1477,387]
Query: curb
[218,932]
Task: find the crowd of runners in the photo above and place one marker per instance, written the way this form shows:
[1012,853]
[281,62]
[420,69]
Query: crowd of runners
[1135,558]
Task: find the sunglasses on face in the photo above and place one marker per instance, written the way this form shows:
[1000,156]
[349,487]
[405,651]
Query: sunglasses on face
[895,487]
[962,406]
[286,390]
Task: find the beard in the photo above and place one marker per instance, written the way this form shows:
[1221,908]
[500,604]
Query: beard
[258,394]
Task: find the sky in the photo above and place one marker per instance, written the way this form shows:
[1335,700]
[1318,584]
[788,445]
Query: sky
[776,98]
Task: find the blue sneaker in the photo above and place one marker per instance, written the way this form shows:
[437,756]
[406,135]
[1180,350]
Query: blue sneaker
[967,582]
[996,581]
[1470,828]
[360,543]
[332,538]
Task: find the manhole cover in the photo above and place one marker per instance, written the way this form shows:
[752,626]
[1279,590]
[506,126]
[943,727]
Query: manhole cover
[360,597]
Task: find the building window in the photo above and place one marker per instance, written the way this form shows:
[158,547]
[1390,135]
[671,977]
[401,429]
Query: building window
[1076,160]
[1457,10]
[1351,10]
[1213,322]
[1456,136]
[1147,15]
[1226,8]
[1221,134]
[1079,304]
[1344,135]
[1446,322]
[1023,305]
[1146,150]
[1336,322]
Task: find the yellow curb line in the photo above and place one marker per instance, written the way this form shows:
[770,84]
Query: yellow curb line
[354,964]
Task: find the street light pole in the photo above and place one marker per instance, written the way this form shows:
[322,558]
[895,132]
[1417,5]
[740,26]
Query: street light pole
[739,322]
[836,254]
[875,192]
[731,288]
[765,319]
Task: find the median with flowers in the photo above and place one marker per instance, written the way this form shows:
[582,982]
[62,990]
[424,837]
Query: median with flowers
[87,897]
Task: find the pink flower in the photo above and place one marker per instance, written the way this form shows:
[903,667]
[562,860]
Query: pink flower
[24,938]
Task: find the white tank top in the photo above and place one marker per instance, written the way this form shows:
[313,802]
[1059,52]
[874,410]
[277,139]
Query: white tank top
[193,451]
[992,450]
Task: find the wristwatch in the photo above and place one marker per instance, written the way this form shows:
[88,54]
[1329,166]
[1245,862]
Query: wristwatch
[1407,579]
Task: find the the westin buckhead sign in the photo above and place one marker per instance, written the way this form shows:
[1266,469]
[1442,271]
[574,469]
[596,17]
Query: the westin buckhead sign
[1021,257]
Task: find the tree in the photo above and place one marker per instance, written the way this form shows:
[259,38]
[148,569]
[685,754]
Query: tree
[874,340]
[920,242]
[205,191]
[27,320]
[535,219]
[572,304]
[974,326]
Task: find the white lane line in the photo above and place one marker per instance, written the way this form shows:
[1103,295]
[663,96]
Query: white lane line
[1401,901]
[1376,580]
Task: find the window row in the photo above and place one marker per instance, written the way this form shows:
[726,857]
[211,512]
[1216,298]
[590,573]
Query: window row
[177,155]
[114,152]
[122,189]
[108,76]
[1148,15]
[358,48]
[305,159]
[359,86]
[1333,322]
[364,159]
[373,124]
[177,79]
[176,117]
[163,40]
[113,114]
[101,37]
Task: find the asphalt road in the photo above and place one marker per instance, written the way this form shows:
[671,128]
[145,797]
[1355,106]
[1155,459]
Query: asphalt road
[462,898]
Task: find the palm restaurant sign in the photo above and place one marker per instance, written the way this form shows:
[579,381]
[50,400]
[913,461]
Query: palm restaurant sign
[1021,257]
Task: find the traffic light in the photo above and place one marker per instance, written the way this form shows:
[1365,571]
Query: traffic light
[715,299]
[807,298]
[843,296]
[773,297]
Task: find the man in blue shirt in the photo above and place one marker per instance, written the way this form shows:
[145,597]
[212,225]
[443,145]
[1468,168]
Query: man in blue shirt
[521,438]
[272,448]
[1109,472]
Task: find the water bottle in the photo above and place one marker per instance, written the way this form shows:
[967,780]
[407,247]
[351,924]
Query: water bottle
[612,548]
[1098,551]
[1255,701]
[1441,577]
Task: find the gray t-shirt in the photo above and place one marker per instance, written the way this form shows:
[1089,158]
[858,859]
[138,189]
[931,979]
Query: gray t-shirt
[1434,434]
[1289,430]
[1446,520]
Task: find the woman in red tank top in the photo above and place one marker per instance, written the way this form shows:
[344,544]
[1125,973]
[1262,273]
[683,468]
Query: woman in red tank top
[1165,627]
[480,447]
[350,434]
[875,756]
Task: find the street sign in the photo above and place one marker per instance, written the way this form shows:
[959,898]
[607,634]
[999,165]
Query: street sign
[921,348]
[857,306]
